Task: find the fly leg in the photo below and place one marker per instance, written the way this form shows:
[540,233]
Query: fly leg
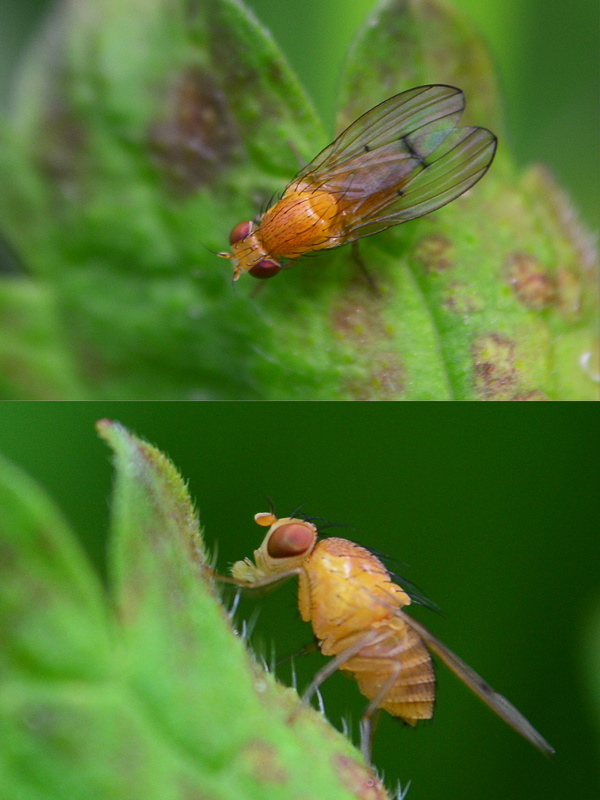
[370,719]
[297,156]
[308,648]
[368,729]
[259,583]
[363,269]
[371,637]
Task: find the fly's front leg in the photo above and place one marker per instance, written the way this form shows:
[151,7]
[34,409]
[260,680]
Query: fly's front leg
[257,583]
[308,648]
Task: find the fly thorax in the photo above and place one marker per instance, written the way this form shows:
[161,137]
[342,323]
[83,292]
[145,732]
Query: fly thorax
[305,219]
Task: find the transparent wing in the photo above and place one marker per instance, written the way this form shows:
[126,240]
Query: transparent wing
[401,160]
[434,108]
[458,164]
[499,704]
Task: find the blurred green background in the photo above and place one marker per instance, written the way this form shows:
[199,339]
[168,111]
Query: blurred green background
[546,52]
[493,514]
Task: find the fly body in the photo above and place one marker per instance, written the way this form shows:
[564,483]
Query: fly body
[399,161]
[345,591]
[357,615]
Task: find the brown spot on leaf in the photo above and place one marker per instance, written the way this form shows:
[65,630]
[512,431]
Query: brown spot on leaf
[495,372]
[530,281]
[198,137]
[358,779]
[251,84]
[497,376]
[435,253]
[378,375]
[261,761]
[531,396]
[61,145]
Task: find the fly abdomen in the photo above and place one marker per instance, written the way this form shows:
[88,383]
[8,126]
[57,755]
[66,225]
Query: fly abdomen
[396,671]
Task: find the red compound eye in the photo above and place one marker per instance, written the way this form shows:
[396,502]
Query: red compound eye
[290,540]
[241,230]
[265,268]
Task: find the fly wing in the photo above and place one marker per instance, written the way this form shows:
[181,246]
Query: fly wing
[416,595]
[463,158]
[483,690]
[401,160]
[399,116]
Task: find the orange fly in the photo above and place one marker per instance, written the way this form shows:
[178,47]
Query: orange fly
[400,160]
[356,613]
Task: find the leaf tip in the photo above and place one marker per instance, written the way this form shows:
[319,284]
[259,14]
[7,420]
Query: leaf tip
[107,429]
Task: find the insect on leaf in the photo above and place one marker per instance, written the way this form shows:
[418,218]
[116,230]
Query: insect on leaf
[400,160]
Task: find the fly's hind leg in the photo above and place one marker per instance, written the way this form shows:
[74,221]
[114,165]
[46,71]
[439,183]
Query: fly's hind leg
[370,719]
[301,161]
[368,729]
[364,271]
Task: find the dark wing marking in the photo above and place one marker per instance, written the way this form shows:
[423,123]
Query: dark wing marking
[458,164]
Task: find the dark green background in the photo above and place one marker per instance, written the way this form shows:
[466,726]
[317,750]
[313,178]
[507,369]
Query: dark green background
[546,53]
[493,513]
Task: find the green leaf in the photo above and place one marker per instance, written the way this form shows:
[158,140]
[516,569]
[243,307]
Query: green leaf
[148,693]
[33,347]
[55,657]
[52,616]
[403,45]
[144,132]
